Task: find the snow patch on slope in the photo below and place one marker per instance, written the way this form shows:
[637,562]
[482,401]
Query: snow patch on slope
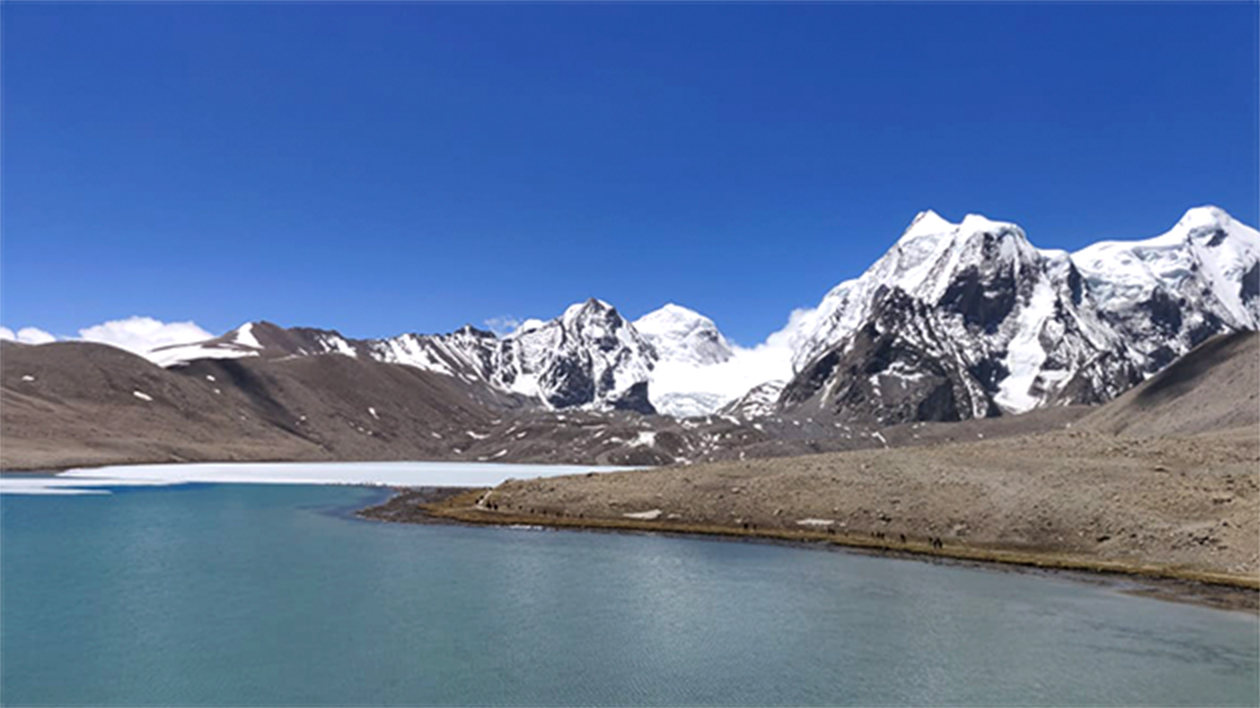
[1025,354]
[172,356]
[244,336]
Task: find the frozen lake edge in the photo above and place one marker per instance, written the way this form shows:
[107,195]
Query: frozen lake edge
[98,480]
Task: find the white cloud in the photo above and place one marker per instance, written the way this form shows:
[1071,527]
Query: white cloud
[34,335]
[27,335]
[728,380]
[799,323]
[142,334]
[503,325]
[135,334]
[748,367]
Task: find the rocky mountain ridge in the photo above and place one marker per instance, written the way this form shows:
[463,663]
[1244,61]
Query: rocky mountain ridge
[955,321]
[970,320]
[588,356]
[76,403]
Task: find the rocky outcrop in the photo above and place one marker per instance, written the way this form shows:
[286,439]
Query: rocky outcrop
[969,320]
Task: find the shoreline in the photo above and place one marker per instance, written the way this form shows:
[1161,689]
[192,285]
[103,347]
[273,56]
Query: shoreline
[446,505]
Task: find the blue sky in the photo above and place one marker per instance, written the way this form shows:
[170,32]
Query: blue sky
[381,168]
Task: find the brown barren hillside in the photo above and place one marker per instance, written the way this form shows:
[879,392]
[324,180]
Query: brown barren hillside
[75,403]
[1184,504]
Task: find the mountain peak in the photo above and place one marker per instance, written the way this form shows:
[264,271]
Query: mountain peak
[468,330]
[667,314]
[976,223]
[1207,216]
[528,325]
[927,223]
[588,355]
[674,308]
[590,306]
[683,335]
[244,335]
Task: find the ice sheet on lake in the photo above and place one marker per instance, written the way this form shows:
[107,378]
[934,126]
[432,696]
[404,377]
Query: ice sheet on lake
[43,485]
[389,474]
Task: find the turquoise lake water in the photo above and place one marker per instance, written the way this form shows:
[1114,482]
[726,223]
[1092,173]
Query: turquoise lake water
[277,595]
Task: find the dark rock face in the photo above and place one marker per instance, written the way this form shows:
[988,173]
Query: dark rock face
[1210,325]
[568,383]
[983,302]
[608,322]
[939,350]
[1164,296]
[1250,288]
[938,404]
[988,373]
[954,356]
[590,355]
[1076,284]
[811,379]
[635,399]
[1103,379]
[1161,357]
[887,374]
[1164,312]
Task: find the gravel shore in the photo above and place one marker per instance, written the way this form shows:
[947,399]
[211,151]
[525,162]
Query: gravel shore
[1185,507]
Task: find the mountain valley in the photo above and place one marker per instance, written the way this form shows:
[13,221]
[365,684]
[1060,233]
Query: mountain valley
[957,322]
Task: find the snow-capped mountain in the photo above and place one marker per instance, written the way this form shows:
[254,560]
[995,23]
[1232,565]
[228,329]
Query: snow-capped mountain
[699,371]
[256,339]
[589,356]
[970,320]
[467,353]
[1166,294]
[692,376]
[955,321]
[758,402]
[684,336]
